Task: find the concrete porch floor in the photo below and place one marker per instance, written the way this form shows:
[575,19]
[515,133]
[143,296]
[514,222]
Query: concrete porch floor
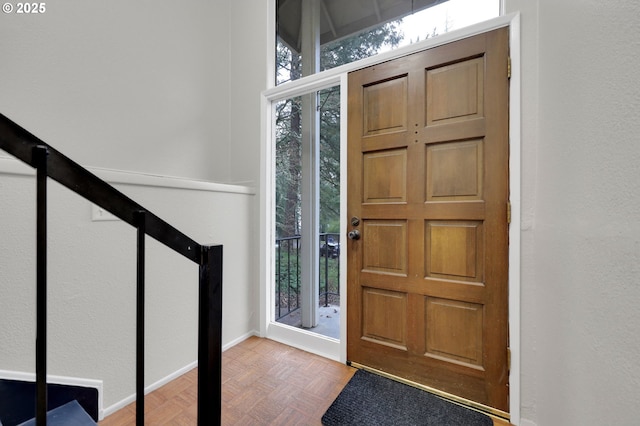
[328,325]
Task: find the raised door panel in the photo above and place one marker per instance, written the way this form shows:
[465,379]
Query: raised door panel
[385,107]
[385,250]
[454,250]
[454,171]
[455,92]
[384,316]
[385,176]
[454,331]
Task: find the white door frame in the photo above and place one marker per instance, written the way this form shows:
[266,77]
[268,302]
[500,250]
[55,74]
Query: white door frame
[332,348]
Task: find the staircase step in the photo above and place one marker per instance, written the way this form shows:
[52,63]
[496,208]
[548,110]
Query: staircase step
[69,414]
[17,399]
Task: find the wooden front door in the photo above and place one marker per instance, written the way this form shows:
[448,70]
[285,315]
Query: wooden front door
[428,194]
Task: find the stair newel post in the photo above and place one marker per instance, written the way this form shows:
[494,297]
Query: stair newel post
[210,337]
[40,154]
[140,221]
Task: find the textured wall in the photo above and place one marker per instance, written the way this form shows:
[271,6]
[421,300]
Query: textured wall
[123,85]
[581,211]
[92,272]
[141,87]
[247,78]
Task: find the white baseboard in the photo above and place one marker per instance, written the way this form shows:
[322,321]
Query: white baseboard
[148,389]
[98,384]
[58,380]
[525,422]
[239,340]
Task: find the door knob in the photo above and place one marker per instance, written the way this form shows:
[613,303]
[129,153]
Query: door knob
[354,235]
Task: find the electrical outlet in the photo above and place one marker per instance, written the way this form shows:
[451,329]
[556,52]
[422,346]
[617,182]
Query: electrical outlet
[99,214]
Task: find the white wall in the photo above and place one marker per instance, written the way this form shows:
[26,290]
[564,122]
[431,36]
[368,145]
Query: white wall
[248,54]
[581,211]
[142,87]
[92,272]
[123,85]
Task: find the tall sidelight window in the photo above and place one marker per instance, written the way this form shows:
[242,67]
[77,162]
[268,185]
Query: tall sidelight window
[307,211]
[330,33]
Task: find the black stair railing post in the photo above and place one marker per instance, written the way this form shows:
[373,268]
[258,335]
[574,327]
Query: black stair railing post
[140,220]
[210,337]
[40,154]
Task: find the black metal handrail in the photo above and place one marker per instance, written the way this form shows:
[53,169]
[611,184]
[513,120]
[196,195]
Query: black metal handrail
[49,163]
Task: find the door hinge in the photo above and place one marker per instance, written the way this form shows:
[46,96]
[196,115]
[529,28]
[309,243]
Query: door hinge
[509,359]
[508,212]
[509,67]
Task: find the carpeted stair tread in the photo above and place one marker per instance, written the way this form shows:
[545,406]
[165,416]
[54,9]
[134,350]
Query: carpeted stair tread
[69,414]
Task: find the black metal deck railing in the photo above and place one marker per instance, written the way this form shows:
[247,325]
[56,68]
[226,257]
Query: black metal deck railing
[51,164]
[287,272]
[287,275]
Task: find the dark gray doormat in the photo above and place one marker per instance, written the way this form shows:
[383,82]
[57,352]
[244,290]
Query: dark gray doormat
[370,399]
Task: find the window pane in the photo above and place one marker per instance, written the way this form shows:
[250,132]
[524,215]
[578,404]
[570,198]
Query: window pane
[349,30]
[288,125]
[291,246]
[288,178]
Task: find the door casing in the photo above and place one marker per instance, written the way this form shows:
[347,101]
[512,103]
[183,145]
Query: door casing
[337,350]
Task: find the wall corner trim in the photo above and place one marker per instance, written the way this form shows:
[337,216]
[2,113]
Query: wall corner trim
[11,166]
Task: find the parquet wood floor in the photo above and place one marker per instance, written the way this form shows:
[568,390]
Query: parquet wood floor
[263,383]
